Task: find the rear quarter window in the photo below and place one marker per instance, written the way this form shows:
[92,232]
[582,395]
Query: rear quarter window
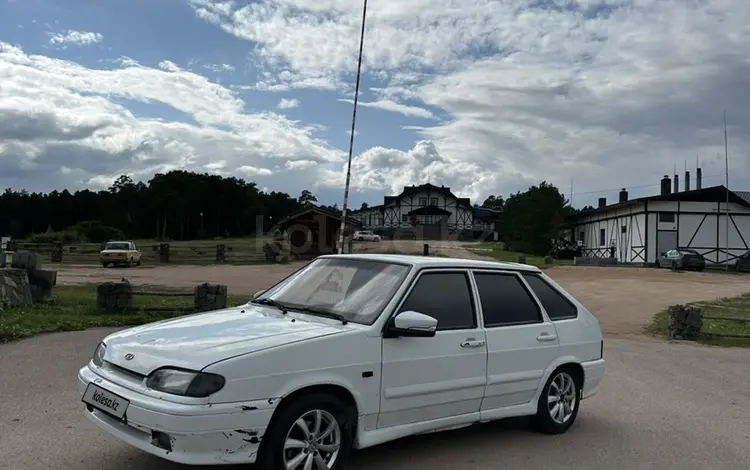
[555,304]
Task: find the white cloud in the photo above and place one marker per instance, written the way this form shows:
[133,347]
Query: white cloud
[392,106]
[390,170]
[288,103]
[609,92]
[55,113]
[219,67]
[78,38]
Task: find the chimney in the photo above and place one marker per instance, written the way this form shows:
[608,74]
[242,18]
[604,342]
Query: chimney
[698,178]
[676,183]
[687,180]
[602,202]
[665,185]
[623,195]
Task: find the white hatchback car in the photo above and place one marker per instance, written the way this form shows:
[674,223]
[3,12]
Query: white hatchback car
[348,352]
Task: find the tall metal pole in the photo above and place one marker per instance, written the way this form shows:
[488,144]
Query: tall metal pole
[726,167]
[351,136]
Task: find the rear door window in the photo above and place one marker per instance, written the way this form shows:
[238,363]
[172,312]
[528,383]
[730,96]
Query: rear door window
[505,300]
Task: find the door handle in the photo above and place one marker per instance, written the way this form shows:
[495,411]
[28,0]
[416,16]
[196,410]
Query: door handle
[546,337]
[472,343]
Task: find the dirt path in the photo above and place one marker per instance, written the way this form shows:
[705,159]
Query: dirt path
[624,299]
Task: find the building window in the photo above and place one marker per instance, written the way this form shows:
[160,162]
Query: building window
[433,201]
[582,236]
[404,218]
[624,229]
[422,201]
[602,237]
[666,217]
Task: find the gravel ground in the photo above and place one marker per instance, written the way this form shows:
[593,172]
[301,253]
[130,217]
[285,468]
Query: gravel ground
[661,405]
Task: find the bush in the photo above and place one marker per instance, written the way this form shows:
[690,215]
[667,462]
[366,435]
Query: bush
[96,232]
[66,237]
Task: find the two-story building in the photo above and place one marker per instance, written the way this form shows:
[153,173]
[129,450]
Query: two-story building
[429,212]
[640,230]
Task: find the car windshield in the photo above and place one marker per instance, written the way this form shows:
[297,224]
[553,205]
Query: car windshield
[355,289]
[688,252]
[117,246]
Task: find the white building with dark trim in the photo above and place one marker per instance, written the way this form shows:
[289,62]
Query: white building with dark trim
[430,212]
[642,229]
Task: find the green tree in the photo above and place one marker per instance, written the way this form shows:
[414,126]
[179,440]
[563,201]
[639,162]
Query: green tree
[533,219]
[494,202]
[306,198]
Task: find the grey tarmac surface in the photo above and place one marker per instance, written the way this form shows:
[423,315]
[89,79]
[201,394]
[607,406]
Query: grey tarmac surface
[661,406]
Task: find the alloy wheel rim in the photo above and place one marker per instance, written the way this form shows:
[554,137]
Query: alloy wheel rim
[313,442]
[561,398]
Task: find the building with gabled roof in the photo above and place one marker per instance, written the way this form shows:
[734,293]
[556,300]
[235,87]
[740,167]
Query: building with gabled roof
[642,229]
[429,212]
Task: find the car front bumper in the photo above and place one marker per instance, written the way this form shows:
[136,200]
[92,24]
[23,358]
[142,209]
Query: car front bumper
[593,373]
[216,434]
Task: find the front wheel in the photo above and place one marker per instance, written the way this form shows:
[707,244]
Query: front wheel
[314,432]
[558,404]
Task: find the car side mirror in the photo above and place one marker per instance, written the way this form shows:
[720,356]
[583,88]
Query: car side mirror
[258,294]
[411,324]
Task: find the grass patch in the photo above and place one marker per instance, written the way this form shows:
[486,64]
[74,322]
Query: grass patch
[727,309]
[73,308]
[497,251]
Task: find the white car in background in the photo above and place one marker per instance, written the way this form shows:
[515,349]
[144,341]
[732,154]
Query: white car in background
[366,235]
[348,352]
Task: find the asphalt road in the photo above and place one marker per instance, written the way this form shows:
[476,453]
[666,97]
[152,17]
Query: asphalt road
[660,406]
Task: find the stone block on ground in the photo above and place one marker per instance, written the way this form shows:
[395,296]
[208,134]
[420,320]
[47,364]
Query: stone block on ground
[114,297]
[15,290]
[685,322]
[549,260]
[522,259]
[209,297]
[41,284]
[27,260]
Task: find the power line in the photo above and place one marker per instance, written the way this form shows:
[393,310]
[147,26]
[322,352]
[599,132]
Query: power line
[598,191]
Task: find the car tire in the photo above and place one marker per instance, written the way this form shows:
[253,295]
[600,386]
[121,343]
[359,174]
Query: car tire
[547,419]
[273,453]
[105,265]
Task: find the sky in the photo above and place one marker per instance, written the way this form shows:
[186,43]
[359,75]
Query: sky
[486,97]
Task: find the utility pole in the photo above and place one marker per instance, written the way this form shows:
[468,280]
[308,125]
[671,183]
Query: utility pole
[351,136]
[726,168]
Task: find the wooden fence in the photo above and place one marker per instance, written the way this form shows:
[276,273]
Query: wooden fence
[117,297]
[244,252]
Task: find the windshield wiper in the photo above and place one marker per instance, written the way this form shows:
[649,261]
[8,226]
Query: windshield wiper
[321,313]
[273,303]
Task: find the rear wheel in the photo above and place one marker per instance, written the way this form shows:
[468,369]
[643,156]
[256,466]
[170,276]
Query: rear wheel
[105,265]
[559,402]
[314,432]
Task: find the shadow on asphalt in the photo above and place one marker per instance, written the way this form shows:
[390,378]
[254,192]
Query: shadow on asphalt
[466,441]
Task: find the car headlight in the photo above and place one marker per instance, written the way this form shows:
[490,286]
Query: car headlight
[98,358]
[185,382]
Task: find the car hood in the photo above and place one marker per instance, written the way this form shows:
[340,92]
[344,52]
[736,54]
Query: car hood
[197,341]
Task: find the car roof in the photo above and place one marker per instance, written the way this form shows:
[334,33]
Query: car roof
[436,261]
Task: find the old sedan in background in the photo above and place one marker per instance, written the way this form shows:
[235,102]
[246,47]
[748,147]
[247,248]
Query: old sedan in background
[682,258]
[348,352]
[120,253]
